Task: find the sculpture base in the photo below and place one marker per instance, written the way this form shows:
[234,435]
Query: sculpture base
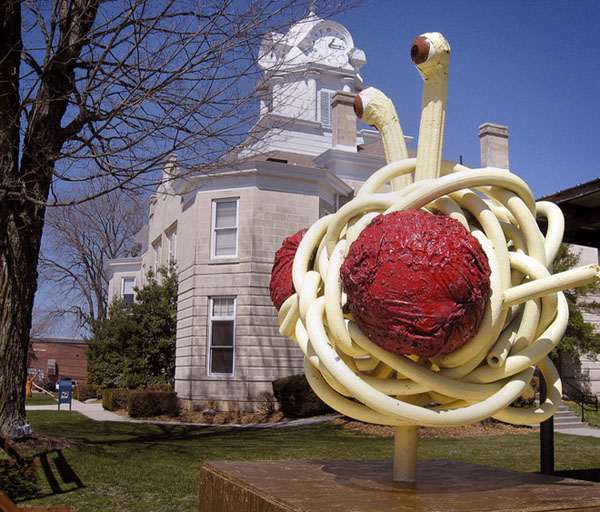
[336,485]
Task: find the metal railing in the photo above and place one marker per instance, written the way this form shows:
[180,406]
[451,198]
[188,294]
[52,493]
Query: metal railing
[581,399]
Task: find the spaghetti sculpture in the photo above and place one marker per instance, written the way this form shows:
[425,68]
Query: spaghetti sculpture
[525,314]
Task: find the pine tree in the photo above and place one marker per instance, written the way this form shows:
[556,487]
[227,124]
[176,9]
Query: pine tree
[580,337]
[134,347]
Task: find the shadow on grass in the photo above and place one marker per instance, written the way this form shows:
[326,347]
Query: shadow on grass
[22,482]
[591,475]
[65,471]
[122,442]
[113,433]
[19,482]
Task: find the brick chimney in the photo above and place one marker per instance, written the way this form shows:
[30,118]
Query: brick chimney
[344,121]
[494,145]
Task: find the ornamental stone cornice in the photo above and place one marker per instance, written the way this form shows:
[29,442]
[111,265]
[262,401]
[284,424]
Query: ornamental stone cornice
[265,175]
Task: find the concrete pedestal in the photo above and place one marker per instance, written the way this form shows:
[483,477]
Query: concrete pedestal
[356,486]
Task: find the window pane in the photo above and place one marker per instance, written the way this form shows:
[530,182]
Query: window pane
[226,214]
[222,307]
[225,242]
[128,284]
[157,254]
[172,245]
[222,333]
[221,360]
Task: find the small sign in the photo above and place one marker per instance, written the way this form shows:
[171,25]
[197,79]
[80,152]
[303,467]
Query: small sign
[65,392]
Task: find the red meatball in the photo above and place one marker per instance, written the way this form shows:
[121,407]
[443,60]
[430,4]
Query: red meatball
[417,283]
[281,285]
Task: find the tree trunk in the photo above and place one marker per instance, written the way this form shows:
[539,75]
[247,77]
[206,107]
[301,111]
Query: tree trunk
[16,286]
[24,185]
[19,247]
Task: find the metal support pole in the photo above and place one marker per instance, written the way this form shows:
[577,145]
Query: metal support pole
[546,437]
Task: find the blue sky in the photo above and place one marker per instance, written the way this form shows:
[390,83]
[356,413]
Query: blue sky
[533,66]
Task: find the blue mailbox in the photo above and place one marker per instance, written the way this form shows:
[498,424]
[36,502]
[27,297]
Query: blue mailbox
[65,392]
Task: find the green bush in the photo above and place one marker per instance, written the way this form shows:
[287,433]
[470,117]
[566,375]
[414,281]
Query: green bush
[297,399]
[85,391]
[152,403]
[114,399]
[134,345]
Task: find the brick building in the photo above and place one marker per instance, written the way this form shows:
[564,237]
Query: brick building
[54,358]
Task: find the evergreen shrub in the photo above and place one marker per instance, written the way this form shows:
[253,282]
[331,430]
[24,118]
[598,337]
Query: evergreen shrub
[297,399]
[114,399]
[85,391]
[152,403]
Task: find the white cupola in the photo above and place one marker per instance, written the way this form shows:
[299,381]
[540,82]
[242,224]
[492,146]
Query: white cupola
[305,66]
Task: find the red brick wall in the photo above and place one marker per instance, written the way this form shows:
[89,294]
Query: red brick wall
[70,359]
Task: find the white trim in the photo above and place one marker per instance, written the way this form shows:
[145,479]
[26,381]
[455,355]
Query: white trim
[214,229]
[212,318]
[123,265]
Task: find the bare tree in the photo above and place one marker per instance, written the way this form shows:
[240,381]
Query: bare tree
[78,241]
[93,89]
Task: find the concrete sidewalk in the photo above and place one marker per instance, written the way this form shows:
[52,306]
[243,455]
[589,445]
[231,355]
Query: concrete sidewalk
[96,412]
[584,431]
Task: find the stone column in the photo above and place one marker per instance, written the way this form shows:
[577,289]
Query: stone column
[494,145]
[346,82]
[311,94]
[344,121]
[277,101]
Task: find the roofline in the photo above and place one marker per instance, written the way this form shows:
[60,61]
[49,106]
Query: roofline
[50,339]
[576,192]
[265,167]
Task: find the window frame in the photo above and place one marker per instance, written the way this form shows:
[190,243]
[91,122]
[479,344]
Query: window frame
[210,346]
[171,236]
[214,229]
[157,248]
[123,279]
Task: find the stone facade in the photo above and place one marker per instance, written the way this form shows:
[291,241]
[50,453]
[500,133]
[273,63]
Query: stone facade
[229,349]
[586,375]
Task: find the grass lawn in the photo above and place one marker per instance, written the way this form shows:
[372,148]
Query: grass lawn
[39,398]
[142,467]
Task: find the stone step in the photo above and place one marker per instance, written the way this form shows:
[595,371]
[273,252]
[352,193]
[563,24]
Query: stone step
[565,418]
[564,426]
[565,421]
[579,424]
[565,414]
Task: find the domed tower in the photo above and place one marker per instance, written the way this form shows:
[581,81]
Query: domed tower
[303,69]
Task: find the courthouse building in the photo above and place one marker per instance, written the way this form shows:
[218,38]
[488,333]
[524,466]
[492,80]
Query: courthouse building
[224,227]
